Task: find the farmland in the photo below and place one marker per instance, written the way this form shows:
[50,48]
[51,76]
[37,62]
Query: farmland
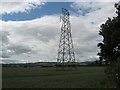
[50,77]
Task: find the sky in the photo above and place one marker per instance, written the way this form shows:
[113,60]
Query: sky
[31,29]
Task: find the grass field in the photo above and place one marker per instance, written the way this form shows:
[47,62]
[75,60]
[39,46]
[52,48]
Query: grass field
[83,77]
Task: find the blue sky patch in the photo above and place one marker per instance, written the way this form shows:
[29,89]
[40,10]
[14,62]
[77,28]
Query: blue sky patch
[50,8]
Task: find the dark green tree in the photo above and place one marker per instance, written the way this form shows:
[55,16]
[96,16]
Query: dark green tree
[110,47]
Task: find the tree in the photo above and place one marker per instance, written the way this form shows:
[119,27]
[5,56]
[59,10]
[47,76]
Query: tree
[110,47]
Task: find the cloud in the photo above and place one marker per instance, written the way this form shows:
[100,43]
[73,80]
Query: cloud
[39,38]
[91,0]
[90,15]
[42,36]
[4,37]
[14,49]
[8,49]
[5,54]
[16,7]
[85,8]
[19,49]
[34,38]
[119,3]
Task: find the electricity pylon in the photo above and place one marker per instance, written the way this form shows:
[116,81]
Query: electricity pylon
[66,54]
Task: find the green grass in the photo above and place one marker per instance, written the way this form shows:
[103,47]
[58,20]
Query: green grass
[83,77]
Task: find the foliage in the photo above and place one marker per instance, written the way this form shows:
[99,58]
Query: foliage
[110,47]
[113,74]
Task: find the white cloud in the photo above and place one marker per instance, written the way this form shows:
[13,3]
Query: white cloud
[16,7]
[42,35]
[60,0]
[91,0]
[94,8]
[87,35]
[35,38]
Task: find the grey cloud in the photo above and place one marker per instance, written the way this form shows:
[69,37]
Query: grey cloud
[5,55]
[14,49]
[19,49]
[119,3]
[4,52]
[4,41]
[8,49]
[4,35]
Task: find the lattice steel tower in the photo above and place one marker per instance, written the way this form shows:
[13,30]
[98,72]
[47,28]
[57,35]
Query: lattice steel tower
[66,51]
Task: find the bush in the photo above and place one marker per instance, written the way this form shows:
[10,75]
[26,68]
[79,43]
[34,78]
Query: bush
[113,74]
